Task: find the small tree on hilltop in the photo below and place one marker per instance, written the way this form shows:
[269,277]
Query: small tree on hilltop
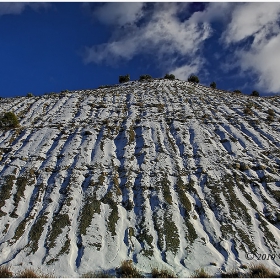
[237,91]
[145,77]
[213,85]
[255,93]
[169,77]
[124,79]
[193,79]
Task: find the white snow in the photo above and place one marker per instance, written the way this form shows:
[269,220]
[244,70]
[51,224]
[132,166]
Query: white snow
[117,145]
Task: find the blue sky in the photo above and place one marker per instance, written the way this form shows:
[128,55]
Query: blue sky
[49,47]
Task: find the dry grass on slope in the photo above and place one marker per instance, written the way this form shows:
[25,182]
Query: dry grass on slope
[5,272]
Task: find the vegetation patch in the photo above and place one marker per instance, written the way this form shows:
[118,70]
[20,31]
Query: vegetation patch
[160,232]
[261,271]
[227,230]
[130,233]
[201,273]
[186,207]
[160,147]
[5,272]
[169,76]
[190,186]
[246,239]
[101,178]
[193,79]
[145,77]
[171,234]
[163,273]
[274,193]
[5,191]
[165,184]
[22,225]
[97,274]
[8,120]
[236,206]
[254,271]
[267,179]
[240,182]
[144,236]
[113,217]
[59,222]
[231,274]
[160,107]
[21,183]
[21,228]
[168,236]
[28,273]
[36,232]
[65,248]
[247,111]
[91,207]
[6,229]
[124,79]
[191,236]
[268,234]
[182,195]
[97,245]
[131,135]
[238,210]
[127,270]
[116,184]
[102,145]
[15,133]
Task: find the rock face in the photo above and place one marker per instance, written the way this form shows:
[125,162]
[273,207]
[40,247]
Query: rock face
[165,173]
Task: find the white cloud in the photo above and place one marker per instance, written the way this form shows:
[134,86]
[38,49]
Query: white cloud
[11,8]
[17,8]
[214,11]
[183,72]
[249,19]
[119,13]
[260,55]
[263,59]
[111,52]
[161,33]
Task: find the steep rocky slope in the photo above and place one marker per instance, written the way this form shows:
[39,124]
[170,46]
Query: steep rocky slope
[166,173]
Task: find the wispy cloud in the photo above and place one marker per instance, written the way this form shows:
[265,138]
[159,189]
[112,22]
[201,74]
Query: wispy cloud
[182,72]
[155,30]
[258,22]
[214,11]
[263,59]
[16,8]
[119,14]
[249,19]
